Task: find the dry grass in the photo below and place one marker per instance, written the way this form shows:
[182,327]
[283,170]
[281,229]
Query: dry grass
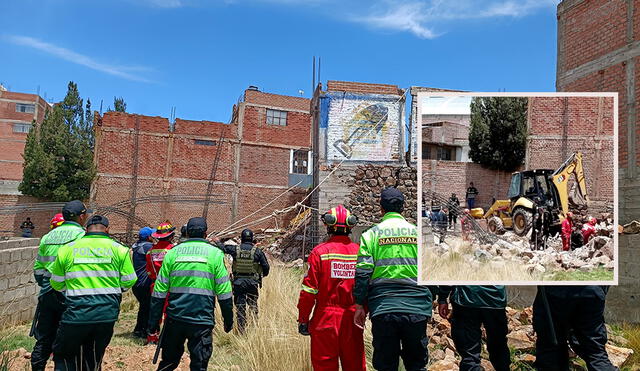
[453,267]
[274,344]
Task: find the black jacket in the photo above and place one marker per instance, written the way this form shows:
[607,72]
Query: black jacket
[259,257]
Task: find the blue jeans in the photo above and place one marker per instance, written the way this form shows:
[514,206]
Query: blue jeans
[471,203]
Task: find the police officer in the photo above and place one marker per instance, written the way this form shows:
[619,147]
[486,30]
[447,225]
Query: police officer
[387,282]
[50,302]
[249,266]
[473,307]
[192,275]
[328,286]
[566,311]
[93,272]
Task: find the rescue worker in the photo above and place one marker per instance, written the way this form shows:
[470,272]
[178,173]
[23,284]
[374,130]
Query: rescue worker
[454,208]
[93,272]
[589,230]
[327,288]
[439,223]
[56,221]
[164,234]
[27,228]
[387,283]
[466,224]
[576,310]
[155,256]
[249,266]
[192,276]
[473,307]
[50,302]
[567,229]
[470,196]
[142,288]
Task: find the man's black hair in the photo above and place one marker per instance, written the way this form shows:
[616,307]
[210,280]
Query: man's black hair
[395,207]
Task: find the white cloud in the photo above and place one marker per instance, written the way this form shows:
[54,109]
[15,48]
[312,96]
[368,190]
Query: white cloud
[420,16]
[403,17]
[165,3]
[125,72]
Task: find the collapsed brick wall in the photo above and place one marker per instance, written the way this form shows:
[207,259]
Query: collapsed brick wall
[560,126]
[18,288]
[447,177]
[598,51]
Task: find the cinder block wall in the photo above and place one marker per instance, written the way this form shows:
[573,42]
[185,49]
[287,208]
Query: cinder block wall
[18,289]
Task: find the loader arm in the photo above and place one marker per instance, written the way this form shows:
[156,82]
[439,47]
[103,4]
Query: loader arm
[560,178]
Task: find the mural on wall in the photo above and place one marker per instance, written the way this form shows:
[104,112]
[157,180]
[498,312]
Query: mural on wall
[363,129]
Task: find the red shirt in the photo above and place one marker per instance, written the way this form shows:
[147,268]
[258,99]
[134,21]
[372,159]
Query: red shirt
[330,278]
[155,256]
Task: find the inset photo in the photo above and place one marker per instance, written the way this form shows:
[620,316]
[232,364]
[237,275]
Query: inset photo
[517,188]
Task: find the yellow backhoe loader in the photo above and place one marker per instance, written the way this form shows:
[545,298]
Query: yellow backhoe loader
[547,188]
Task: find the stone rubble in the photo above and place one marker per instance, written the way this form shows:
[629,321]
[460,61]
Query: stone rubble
[521,338]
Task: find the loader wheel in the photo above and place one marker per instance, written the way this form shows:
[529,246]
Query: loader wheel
[521,222]
[495,225]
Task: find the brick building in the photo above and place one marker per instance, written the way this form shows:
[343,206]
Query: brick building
[17,113]
[173,169]
[560,126]
[599,50]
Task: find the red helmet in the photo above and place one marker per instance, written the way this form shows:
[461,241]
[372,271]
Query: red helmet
[339,217]
[56,221]
[593,220]
[164,230]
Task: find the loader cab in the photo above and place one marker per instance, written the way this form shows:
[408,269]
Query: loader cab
[533,185]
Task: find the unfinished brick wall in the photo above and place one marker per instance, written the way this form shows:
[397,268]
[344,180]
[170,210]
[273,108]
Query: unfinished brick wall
[10,222]
[560,126]
[446,177]
[598,51]
[252,169]
[18,288]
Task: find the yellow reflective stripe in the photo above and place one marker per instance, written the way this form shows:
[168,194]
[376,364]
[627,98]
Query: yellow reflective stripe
[338,256]
[308,289]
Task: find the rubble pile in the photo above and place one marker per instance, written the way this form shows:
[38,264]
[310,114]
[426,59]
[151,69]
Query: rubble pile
[521,338]
[598,252]
[369,180]
[288,245]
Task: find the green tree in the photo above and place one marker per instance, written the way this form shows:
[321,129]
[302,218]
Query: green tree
[119,104]
[498,134]
[58,159]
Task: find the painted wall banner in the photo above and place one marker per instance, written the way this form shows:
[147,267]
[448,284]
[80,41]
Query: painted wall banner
[363,128]
[343,269]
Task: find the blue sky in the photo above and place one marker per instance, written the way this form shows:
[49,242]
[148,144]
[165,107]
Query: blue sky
[199,55]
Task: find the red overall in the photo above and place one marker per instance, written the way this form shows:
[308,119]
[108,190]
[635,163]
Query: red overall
[328,285]
[155,257]
[566,234]
[588,230]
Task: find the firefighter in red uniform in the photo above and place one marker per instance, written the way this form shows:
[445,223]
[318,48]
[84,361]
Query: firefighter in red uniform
[56,221]
[567,228]
[164,234]
[589,230]
[328,286]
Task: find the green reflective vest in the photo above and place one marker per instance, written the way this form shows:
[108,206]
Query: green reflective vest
[193,274]
[387,269]
[92,272]
[48,250]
